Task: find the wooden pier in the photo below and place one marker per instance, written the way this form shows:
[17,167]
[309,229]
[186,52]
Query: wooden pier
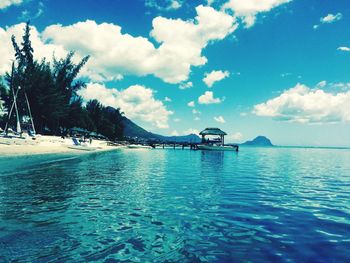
[191,146]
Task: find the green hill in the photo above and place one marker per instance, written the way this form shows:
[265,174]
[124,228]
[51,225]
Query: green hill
[132,130]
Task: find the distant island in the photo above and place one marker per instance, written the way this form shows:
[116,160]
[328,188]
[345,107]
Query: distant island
[259,141]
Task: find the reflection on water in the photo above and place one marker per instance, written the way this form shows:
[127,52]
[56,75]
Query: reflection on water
[177,206]
[213,159]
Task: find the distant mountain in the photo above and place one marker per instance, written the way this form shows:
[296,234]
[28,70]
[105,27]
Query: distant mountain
[259,141]
[132,130]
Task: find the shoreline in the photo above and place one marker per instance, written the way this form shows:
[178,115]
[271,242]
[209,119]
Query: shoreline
[50,145]
[29,150]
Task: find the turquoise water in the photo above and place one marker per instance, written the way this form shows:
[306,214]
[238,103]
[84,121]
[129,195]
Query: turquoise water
[260,205]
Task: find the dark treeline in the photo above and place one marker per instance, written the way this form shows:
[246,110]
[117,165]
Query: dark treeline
[52,91]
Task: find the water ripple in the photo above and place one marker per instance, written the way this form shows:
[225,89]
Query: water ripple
[177,206]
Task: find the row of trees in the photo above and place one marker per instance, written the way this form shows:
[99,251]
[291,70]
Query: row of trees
[52,90]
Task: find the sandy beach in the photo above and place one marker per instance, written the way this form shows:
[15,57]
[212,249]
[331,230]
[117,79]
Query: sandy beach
[48,145]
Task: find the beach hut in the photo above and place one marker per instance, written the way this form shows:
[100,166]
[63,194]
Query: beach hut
[213,132]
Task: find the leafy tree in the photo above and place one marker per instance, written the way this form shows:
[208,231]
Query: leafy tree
[20,76]
[94,111]
[111,123]
[3,104]
[64,74]
[45,101]
[107,120]
[52,90]
[3,95]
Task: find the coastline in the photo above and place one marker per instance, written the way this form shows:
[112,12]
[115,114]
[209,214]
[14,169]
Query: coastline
[24,150]
[50,145]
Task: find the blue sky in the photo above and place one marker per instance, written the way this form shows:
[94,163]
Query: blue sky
[282,68]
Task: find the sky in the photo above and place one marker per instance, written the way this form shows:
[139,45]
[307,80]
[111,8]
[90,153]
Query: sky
[278,68]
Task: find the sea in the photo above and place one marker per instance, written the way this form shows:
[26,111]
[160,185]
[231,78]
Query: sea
[258,205]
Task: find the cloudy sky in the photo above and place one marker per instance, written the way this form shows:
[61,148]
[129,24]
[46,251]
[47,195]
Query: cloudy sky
[279,68]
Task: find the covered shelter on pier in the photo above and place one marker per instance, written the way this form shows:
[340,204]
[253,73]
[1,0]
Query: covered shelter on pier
[213,132]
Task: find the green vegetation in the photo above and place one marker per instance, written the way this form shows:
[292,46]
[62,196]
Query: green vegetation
[52,90]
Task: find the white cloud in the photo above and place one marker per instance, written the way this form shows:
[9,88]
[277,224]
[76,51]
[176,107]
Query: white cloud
[345,49]
[28,15]
[186,85]
[6,3]
[219,119]
[333,86]
[197,118]
[164,5]
[286,74]
[243,114]
[321,84]
[41,49]
[114,53]
[174,133]
[194,111]
[305,105]
[191,104]
[208,98]
[182,50]
[191,131]
[237,136]
[175,4]
[167,99]
[25,14]
[248,9]
[176,120]
[210,2]
[330,18]
[215,76]
[340,85]
[137,102]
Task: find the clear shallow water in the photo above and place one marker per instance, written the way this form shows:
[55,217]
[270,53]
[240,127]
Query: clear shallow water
[260,205]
